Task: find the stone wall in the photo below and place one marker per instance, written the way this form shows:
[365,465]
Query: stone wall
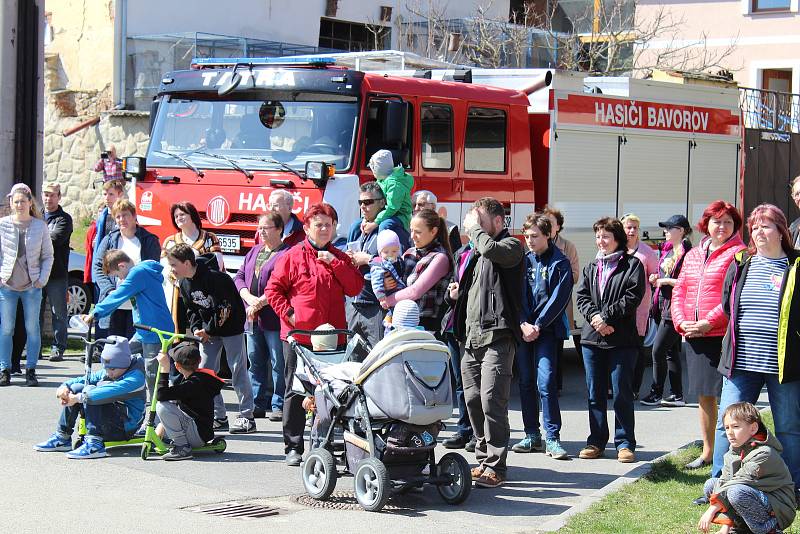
[70,160]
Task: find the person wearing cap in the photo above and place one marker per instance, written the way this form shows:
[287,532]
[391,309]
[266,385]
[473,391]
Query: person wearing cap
[186,409]
[649,260]
[59,223]
[386,271]
[396,185]
[667,344]
[113,400]
[26,257]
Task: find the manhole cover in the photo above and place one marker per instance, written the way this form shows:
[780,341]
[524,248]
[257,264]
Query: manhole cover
[235,509]
[345,500]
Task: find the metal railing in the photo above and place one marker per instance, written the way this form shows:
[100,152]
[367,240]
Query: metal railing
[770,110]
[150,56]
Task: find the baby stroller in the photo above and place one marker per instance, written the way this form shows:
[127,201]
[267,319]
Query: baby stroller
[378,419]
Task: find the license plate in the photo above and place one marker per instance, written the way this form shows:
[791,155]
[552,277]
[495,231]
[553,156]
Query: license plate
[228,243]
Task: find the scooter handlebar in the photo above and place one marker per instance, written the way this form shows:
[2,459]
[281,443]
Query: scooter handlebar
[187,337]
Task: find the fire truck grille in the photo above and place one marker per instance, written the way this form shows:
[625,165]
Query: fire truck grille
[236,218]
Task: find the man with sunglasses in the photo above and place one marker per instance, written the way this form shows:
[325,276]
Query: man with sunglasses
[364,313]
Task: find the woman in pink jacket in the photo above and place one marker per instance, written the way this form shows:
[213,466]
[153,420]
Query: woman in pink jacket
[697,312]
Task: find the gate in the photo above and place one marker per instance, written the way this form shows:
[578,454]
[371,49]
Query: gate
[771,148]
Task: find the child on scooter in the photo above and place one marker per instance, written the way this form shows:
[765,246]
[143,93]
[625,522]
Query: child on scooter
[186,409]
[113,403]
[142,285]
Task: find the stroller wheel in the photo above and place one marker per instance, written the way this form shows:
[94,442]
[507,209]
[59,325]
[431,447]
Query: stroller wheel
[455,466]
[319,474]
[371,484]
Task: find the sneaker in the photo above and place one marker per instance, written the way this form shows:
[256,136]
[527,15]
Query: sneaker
[220,424]
[530,443]
[56,443]
[456,442]
[675,401]
[590,452]
[177,453]
[5,377]
[476,472]
[652,399]
[276,415]
[470,447]
[141,432]
[30,378]
[490,479]
[625,456]
[293,458]
[91,448]
[554,450]
[56,356]
[243,425]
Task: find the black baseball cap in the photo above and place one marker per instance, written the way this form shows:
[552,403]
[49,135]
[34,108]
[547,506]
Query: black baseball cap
[676,221]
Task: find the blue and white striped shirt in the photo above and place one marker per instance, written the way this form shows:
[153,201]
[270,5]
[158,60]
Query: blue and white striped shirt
[759,311]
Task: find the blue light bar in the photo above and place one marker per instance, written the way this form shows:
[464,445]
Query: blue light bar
[230,61]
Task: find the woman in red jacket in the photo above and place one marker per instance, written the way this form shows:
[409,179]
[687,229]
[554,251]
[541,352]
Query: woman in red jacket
[698,315]
[307,289]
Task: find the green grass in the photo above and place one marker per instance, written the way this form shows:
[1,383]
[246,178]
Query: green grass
[79,229]
[660,502]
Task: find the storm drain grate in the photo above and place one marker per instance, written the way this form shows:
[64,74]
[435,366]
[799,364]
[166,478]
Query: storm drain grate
[344,500]
[235,509]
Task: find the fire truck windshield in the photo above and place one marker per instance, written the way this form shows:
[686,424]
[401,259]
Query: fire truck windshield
[221,134]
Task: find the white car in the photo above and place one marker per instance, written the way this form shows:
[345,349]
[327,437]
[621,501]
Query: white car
[79,294]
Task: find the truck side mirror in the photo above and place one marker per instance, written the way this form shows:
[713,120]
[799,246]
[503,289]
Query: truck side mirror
[395,123]
[134,167]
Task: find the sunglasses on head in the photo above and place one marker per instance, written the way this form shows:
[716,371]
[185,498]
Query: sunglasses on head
[367,201]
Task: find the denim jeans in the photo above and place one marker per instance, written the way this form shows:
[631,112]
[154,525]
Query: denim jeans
[784,399]
[103,421]
[265,352]
[31,305]
[210,353]
[538,386]
[56,293]
[393,223]
[619,361]
[750,506]
[464,428]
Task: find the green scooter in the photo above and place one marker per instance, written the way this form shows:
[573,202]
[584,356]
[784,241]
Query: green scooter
[152,443]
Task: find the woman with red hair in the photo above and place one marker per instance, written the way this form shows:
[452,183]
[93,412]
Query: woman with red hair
[307,289]
[761,295]
[697,312]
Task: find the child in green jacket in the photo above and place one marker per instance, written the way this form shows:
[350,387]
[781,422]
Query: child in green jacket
[396,185]
[755,490]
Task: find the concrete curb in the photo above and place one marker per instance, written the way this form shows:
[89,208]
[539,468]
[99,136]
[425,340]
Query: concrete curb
[633,475]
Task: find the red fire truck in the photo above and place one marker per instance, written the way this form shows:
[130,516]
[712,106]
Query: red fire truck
[227,132]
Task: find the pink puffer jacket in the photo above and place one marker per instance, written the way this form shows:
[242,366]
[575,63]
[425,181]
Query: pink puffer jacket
[698,293]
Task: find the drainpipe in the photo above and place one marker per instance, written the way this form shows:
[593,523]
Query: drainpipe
[121,47]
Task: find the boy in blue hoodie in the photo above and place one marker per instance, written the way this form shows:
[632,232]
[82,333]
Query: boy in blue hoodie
[543,322]
[113,403]
[142,285]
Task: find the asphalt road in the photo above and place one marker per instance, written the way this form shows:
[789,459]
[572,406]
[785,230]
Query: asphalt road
[46,492]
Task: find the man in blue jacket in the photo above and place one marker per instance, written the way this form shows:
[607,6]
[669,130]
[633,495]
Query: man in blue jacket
[139,245]
[141,285]
[113,403]
[543,322]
